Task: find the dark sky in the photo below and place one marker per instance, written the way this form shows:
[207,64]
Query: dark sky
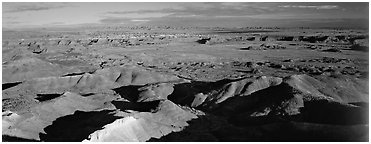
[190,13]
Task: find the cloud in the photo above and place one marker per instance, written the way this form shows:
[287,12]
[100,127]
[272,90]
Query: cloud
[169,10]
[311,6]
[139,20]
[12,22]
[115,20]
[57,23]
[186,16]
[14,7]
[209,9]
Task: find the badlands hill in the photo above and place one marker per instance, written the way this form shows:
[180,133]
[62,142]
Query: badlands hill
[153,83]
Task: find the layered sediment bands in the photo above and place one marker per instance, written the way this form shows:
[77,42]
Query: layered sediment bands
[266,37]
[132,39]
[167,118]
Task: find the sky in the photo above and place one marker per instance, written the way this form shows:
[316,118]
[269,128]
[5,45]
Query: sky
[28,14]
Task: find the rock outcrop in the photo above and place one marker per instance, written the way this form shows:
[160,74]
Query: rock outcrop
[143,126]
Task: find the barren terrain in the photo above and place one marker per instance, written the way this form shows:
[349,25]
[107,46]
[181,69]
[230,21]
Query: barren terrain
[161,83]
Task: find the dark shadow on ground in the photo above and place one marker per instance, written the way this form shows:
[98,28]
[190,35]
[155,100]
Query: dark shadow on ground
[318,120]
[128,92]
[7,138]
[264,129]
[9,85]
[131,93]
[77,127]
[203,40]
[45,97]
[327,112]
[357,47]
[140,107]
